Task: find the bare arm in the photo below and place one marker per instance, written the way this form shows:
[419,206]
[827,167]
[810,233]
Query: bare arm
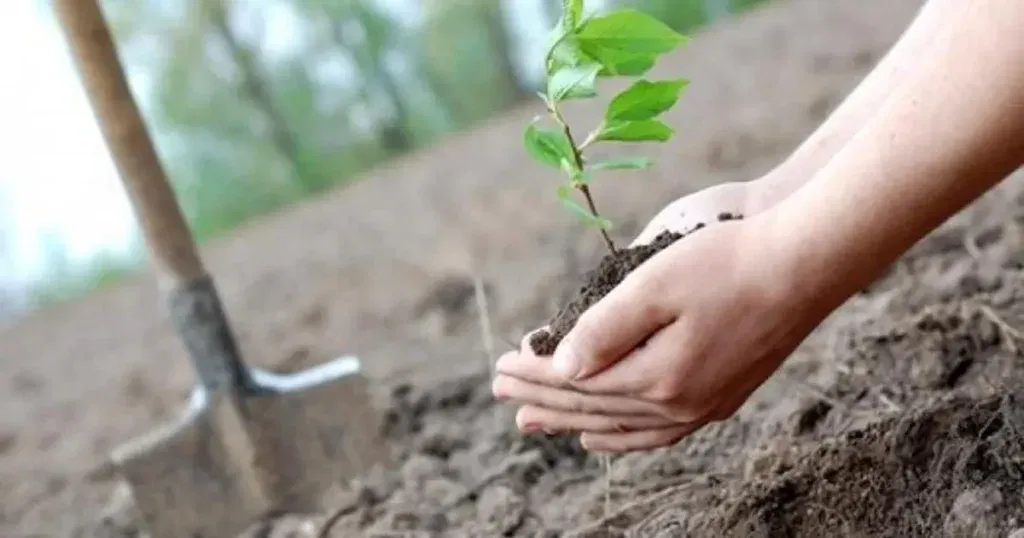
[850,116]
[952,131]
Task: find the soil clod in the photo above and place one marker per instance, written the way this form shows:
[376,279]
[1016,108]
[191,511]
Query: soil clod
[611,270]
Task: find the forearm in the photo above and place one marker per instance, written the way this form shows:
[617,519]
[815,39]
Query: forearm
[952,131]
[850,116]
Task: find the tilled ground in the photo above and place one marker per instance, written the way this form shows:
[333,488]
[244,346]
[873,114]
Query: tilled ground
[898,417]
[903,416]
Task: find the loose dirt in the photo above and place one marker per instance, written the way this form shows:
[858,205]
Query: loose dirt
[900,416]
[609,273]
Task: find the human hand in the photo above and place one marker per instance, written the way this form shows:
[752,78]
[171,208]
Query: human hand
[682,341]
[556,406]
[701,208]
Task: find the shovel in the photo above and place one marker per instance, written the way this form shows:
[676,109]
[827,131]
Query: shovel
[251,444]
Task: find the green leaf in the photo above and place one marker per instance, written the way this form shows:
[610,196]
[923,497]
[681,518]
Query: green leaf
[548,146]
[636,131]
[624,163]
[627,32]
[572,12]
[581,212]
[617,64]
[645,100]
[573,83]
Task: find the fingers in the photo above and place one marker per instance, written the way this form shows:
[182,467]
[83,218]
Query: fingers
[529,367]
[642,373]
[637,440]
[510,388]
[531,418]
[613,326]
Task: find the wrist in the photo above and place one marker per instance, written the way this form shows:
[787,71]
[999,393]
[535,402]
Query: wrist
[809,257]
[772,188]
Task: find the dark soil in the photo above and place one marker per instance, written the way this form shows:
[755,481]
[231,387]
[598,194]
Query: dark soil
[898,417]
[917,430]
[611,270]
[955,468]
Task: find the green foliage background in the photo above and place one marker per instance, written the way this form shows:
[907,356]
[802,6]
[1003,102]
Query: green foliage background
[245,127]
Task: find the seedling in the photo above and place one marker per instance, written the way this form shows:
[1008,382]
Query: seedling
[582,51]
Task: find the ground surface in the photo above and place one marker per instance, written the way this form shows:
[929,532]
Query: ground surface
[882,424]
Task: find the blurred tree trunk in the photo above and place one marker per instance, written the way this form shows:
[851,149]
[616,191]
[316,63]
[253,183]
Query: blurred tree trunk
[255,88]
[393,133]
[370,55]
[503,45]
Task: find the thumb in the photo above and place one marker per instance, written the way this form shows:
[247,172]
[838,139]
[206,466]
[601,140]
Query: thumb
[615,325]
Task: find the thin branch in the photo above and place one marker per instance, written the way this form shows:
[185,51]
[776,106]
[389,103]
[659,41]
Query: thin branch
[484,318]
[582,187]
[585,189]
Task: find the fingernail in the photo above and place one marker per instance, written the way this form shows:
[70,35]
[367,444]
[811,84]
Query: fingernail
[498,393]
[530,427]
[565,362]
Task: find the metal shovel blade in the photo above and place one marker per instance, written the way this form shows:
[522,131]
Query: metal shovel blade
[252,443]
[230,460]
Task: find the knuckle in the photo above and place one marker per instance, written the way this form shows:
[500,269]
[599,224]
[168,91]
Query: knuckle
[662,393]
[665,391]
[576,403]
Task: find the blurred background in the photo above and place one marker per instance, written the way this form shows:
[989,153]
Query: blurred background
[253,104]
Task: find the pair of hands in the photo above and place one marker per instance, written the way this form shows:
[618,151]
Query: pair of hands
[682,341]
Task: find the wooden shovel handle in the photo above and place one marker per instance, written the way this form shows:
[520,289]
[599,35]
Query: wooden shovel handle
[171,248]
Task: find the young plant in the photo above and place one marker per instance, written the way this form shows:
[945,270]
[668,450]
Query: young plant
[582,51]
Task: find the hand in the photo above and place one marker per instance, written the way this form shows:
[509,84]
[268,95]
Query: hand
[743,198]
[553,404]
[719,311]
[702,207]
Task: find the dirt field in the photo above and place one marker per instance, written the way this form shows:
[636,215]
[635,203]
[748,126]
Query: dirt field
[891,420]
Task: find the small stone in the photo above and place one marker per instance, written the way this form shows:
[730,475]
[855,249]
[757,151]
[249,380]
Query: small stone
[972,514]
[1019,533]
[501,510]
[120,516]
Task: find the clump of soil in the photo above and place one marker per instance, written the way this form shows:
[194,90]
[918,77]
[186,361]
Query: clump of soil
[906,419]
[953,468]
[610,271]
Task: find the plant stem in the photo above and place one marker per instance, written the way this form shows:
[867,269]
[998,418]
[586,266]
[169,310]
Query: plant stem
[582,187]
[585,189]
